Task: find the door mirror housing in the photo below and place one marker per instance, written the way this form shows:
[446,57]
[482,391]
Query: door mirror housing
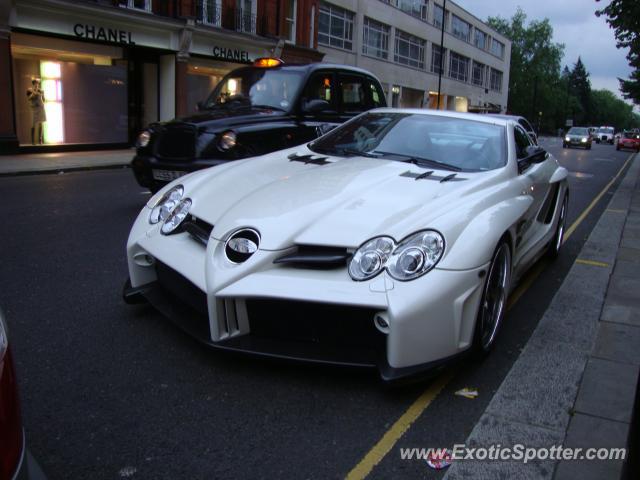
[536,154]
[316,105]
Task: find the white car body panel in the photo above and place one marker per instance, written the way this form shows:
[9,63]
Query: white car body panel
[343,204]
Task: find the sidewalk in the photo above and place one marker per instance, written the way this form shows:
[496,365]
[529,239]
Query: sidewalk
[575,382]
[34,163]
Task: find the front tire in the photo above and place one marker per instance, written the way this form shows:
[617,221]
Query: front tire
[493,304]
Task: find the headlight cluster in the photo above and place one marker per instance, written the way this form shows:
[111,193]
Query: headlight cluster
[170,209]
[412,257]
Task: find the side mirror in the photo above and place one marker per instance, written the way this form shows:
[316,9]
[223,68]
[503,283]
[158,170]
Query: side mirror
[536,154]
[316,105]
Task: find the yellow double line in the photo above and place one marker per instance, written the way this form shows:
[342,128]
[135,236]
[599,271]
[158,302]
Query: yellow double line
[398,429]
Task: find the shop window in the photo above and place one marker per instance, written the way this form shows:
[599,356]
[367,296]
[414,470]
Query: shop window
[51,74]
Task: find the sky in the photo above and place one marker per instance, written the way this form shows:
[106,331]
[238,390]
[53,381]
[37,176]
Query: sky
[574,24]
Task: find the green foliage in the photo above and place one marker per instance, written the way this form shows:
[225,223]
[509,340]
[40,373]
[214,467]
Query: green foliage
[547,95]
[624,17]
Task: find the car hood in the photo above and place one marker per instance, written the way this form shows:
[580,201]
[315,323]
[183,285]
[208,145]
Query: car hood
[226,117]
[339,203]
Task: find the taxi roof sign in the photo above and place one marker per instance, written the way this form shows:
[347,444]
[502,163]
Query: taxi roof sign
[267,62]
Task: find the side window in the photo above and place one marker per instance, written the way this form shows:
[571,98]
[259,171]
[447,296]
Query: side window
[321,87]
[522,141]
[377,95]
[526,125]
[353,94]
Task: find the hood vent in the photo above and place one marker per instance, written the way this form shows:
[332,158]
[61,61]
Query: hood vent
[428,175]
[294,157]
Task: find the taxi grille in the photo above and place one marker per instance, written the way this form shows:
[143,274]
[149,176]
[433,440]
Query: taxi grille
[176,142]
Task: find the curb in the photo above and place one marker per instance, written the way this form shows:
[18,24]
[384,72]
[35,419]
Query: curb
[535,405]
[60,170]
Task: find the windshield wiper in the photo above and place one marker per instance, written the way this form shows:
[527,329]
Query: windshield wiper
[420,161]
[268,107]
[351,151]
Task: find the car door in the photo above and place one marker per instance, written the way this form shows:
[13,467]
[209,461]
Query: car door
[321,85]
[534,179]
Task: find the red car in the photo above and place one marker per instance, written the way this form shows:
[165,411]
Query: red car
[629,140]
[16,463]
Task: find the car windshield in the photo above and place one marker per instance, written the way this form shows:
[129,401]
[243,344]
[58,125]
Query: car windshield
[429,140]
[606,130]
[578,131]
[258,87]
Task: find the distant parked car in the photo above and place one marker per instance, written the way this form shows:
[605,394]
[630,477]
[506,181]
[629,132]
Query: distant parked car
[578,137]
[523,122]
[605,135]
[15,460]
[255,110]
[630,140]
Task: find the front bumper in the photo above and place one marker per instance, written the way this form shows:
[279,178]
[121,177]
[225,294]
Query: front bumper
[577,142]
[318,316]
[165,171]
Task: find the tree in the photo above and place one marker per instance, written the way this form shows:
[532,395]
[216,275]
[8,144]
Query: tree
[624,17]
[607,109]
[534,81]
[580,87]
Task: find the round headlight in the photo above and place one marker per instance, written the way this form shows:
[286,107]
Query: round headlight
[583,140]
[227,140]
[416,255]
[567,138]
[167,203]
[371,258]
[176,217]
[143,139]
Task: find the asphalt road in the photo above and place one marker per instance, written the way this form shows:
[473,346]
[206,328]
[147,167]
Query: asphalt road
[114,391]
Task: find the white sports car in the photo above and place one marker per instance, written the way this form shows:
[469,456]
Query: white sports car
[390,242]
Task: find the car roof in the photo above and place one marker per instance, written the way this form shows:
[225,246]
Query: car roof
[504,115]
[493,120]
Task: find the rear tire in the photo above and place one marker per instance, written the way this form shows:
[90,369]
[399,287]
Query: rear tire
[493,303]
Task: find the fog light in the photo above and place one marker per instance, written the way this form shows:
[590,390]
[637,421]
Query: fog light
[381,323]
[143,259]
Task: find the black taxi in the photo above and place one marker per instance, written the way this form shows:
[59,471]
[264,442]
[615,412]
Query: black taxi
[254,110]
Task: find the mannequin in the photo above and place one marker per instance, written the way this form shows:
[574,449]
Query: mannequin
[35,97]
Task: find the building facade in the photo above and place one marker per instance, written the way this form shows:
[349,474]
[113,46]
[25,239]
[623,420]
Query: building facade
[80,73]
[399,41]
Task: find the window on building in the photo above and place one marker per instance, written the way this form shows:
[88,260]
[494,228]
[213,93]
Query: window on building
[461,29]
[290,9]
[480,39]
[478,73]
[439,15]
[335,27]
[458,67]
[415,8]
[437,61]
[409,50]
[246,16]
[209,12]
[497,48]
[136,4]
[376,38]
[495,80]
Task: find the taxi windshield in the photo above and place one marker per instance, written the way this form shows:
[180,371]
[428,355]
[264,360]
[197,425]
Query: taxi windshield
[257,87]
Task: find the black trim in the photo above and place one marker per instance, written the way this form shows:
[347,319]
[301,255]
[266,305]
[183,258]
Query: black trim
[316,257]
